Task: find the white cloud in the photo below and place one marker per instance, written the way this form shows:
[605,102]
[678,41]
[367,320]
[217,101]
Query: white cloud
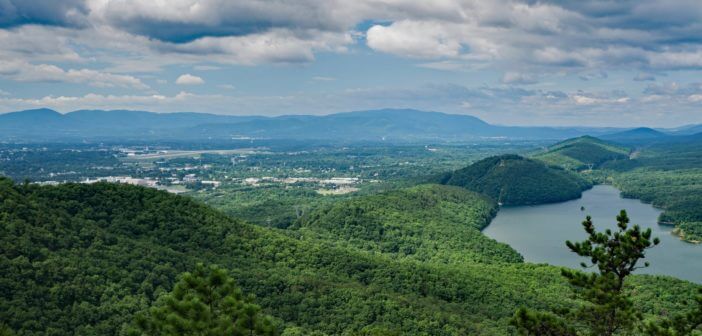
[97,101]
[274,46]
[27,72]
[323,78]
[414,39]
[188,79]
[545,36]
[149,34]
[588,100]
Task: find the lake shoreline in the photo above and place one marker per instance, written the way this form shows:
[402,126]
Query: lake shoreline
[539,232]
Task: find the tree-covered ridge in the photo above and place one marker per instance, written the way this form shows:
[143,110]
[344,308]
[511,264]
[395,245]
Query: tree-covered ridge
[86,259]
[428,223]
[664,173]
[677,192]
[585,152]
[515,180]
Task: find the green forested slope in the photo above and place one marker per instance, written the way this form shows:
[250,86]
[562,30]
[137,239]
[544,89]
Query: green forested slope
[677,192]
[427,223]
[582,153]
[514,180]
[668,175]
[665,173]
[83,259]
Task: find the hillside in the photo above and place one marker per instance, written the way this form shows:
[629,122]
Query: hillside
[426,223]
[514,180]
[666,174]
[374,125]
[636,136]
[85,258]
[582,153]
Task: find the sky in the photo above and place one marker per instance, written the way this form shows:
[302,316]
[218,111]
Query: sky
[510,62]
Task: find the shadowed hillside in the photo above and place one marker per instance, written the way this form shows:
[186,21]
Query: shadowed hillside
[514,180]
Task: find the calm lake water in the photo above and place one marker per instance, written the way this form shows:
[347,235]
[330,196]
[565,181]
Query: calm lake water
[539,232]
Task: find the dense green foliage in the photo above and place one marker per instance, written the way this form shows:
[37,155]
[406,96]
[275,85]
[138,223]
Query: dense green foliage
[85,259]
[514,180]
[582,153]
[677,192]
[204,302]
[682,324]
[427,223]
[668,175]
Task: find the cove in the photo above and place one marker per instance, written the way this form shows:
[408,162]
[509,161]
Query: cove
[539,232]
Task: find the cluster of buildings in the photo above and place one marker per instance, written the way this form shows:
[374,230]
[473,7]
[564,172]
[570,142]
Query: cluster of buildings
[337,181]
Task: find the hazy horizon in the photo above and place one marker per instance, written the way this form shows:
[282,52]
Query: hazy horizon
[623,126]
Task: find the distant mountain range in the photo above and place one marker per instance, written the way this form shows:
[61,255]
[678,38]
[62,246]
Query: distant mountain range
[394,125]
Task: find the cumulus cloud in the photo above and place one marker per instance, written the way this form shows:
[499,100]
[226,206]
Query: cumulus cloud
[542,35]
[414,39]
[188,79]
[96,101]
[185,21]
[27,72]
[47,12]
[274,46]
[672,91]
[590,35]
[581,99]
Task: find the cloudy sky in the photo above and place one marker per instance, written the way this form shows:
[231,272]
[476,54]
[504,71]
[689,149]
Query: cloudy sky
[566,62]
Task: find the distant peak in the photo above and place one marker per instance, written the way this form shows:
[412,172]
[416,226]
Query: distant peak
[644,129]
[40,112]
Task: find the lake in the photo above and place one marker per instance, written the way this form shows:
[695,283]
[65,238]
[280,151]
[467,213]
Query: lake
[539,232]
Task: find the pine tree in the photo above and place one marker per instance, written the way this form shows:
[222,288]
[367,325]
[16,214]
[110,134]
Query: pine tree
[205,302]
[607,309]
[5,330]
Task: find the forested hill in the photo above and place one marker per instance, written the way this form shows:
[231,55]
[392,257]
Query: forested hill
[665,172]
[84,259]
[582,153]
[427,223]
[515,180]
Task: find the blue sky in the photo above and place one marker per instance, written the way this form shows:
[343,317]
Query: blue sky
[569,62]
